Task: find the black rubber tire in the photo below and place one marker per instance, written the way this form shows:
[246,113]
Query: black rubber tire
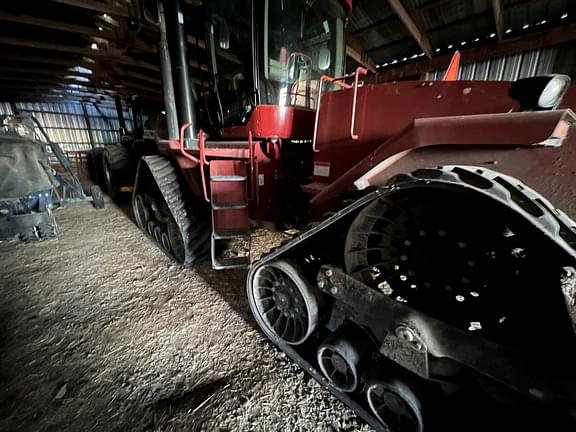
[116,168]
[94,158]
[97,197]
[47,231]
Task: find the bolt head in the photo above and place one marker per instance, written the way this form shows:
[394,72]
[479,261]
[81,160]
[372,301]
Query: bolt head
[321,283]
[334,290]
[329,272]
[405,334]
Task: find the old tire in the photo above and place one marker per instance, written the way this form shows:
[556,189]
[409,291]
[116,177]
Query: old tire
[97,197]
[116,168]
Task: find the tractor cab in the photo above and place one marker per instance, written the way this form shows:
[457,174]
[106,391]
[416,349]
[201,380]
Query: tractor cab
[271,52]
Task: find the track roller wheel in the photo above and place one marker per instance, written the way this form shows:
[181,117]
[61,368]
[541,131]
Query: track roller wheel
[150,228]
[283,303]
[339,358]
[165,241]
[141,211]
[395,405]
[158,234]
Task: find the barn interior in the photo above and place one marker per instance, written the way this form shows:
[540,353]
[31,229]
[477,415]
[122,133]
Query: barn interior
[123,311]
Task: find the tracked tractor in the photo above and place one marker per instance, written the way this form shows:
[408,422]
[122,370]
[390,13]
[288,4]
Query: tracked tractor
[433,282]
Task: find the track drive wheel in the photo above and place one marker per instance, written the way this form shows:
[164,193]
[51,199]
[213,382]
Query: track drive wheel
[448,253]
[283,303]
[116,168]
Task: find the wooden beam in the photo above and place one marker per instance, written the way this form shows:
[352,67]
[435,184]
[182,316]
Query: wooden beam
[54,25]
[450,25]
[417,31]
[42,71]
[194,3]
[533,41]
[433,4]
[374,26]
[96,6]
[498,9]
[107,53]
[47,83]
[354,51]
[193,40]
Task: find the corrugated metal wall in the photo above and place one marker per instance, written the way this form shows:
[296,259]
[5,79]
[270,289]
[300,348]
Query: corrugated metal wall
[73,126]
[558,59]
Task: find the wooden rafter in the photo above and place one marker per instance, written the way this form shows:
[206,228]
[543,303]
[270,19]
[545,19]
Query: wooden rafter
[355,51]
[498,8]
[113,53]
[527,42]
[374,26]
[54,24]
[96,6]
[410,21]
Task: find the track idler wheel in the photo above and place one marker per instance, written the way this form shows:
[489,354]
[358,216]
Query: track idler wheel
[283,303]
[340,357]
[396,405]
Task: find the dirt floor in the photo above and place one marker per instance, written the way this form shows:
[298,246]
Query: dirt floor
[99,331]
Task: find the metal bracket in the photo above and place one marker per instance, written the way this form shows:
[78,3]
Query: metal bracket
[407,349]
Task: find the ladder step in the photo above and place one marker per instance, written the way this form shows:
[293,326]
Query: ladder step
[228,263]
[228,178]
[230,234]
[231,206]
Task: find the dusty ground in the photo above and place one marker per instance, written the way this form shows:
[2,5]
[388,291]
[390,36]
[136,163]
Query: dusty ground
[100,332]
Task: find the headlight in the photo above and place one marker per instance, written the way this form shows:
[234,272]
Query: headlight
[552,94]
[540,92]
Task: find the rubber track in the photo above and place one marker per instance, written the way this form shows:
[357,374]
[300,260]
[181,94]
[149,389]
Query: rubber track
[194,230]
[526,202]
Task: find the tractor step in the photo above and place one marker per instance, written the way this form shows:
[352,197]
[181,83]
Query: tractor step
[228,178]
[230,223]
[230,234]
[230,263]
[232,206]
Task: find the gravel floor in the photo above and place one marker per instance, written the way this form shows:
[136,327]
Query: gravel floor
[100,332]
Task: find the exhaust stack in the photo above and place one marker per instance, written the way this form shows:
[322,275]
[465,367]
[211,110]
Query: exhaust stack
[167,81]
[184,89]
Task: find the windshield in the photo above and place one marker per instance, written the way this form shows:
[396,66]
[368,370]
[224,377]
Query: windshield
[304,40]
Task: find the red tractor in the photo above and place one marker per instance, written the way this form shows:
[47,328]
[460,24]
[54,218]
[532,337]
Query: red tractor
[436,276]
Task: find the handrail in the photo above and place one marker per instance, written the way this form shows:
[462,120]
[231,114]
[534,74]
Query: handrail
[251,156]
[200,161]
[340,82]
[187,155]
[359,71]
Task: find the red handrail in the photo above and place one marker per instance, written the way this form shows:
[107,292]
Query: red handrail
[359,71]
[251,156]
[200,161]
[340,82]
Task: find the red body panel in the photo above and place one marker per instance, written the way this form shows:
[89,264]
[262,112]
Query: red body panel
[400,126]
[273,121]
[469,134]
[384,110]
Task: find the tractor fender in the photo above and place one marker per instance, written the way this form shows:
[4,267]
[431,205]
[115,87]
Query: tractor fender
[533,147]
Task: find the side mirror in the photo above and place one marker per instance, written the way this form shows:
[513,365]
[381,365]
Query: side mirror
[149,12]
[220,26]
[324,59]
